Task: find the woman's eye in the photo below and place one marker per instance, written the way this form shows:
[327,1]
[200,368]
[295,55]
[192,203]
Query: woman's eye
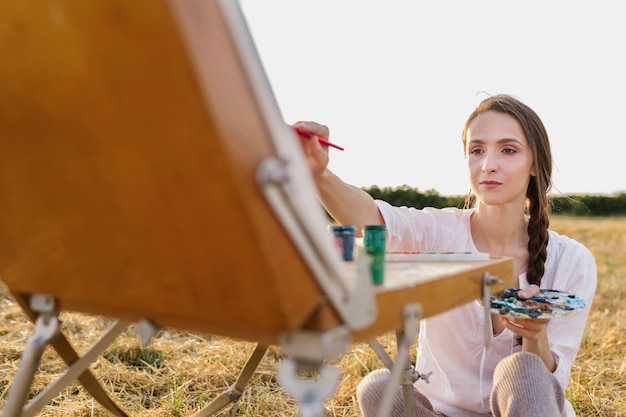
[509,150]
[475,151]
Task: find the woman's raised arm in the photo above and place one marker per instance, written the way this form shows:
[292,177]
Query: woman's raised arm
[346,203]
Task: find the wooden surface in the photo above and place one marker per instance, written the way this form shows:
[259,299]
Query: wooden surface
[436,286]
[128,185]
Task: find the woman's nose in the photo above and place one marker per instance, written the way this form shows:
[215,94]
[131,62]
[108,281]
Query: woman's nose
[489,162]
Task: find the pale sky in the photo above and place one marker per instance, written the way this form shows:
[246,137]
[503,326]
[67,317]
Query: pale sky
[396,79]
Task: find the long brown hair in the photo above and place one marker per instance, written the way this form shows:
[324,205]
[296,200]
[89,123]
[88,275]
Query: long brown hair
[538,204]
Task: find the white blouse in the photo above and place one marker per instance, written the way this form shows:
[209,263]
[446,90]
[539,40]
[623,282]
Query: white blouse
[451,344]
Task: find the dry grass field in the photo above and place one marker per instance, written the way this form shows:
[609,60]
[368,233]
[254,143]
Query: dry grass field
[181,372]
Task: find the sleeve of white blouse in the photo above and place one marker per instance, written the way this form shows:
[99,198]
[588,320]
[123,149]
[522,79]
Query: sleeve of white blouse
[575,272]
[403,227]
[428,229]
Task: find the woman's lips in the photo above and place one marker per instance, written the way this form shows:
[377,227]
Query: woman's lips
[489,184]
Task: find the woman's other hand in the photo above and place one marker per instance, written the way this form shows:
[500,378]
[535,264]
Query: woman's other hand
[526,328]
[533,331]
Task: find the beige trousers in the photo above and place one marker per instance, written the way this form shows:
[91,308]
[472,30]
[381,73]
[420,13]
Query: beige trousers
[523,387]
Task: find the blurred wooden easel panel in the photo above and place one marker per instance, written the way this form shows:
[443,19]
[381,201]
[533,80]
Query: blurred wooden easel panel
[120,192]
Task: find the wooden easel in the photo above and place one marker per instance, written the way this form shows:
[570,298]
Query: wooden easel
[147,175]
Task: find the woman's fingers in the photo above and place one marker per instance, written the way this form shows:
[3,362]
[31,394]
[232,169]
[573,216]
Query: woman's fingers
[526,328]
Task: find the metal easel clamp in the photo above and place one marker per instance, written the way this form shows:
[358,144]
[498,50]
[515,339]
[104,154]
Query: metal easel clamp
[310,393]
[309,350]
[488,281]
[146,329]
[47,327]
[42,303]
[412,314]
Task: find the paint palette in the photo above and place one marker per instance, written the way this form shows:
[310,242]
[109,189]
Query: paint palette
[549,304]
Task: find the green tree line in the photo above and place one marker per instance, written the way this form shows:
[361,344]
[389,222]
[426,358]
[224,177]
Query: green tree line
[571,205]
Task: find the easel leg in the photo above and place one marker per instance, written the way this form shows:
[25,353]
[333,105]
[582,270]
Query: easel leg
[402,373]
[46,329]
[405,381]
[68,354]
[237,389]
[76,369]
[48,332]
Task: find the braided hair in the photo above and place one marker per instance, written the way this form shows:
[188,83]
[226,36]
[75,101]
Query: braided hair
[538,204]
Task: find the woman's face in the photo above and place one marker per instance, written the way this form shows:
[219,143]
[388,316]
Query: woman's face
[499,159]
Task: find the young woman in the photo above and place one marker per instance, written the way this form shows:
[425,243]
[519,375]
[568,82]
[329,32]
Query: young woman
[525,369]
